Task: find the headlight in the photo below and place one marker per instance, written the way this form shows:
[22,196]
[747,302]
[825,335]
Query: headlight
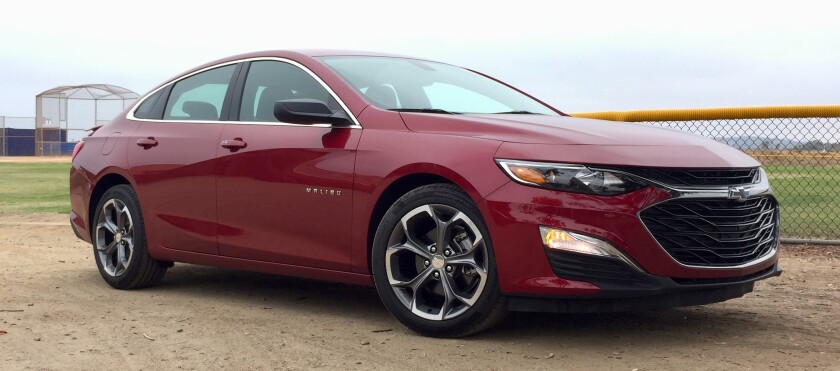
[569,178]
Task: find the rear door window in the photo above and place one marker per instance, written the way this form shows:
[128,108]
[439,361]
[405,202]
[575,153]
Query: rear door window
[200,97]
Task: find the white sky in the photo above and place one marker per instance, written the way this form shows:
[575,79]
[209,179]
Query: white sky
[578,57]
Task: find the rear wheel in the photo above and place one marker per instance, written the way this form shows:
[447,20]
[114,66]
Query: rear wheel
[433,264]
[119,242]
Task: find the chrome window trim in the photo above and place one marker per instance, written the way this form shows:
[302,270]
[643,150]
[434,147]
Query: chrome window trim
[356,124]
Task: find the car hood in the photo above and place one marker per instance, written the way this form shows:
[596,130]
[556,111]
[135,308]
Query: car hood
[571,139]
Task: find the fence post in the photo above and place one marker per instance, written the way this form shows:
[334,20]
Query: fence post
[2,136]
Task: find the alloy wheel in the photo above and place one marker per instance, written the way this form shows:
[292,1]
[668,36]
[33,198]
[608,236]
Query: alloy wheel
[437,262]
[115,237]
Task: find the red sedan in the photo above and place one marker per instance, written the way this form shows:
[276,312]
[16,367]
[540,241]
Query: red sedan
[458,196]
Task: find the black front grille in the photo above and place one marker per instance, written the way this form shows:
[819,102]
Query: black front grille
[699,177]
[714,232]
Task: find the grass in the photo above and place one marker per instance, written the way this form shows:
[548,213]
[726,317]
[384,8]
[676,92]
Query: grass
[34,188]
[810,199]
[809,195]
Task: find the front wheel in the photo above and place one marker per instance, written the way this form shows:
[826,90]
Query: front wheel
[119,242]
[433,264]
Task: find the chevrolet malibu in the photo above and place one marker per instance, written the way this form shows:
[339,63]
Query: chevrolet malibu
[459,197]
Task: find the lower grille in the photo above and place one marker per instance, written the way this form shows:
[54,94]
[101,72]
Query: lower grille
[714,232]
[590,268]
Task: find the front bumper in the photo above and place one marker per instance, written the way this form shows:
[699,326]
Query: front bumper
[526,271]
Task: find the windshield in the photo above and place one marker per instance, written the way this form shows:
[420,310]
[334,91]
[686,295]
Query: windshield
[412,85]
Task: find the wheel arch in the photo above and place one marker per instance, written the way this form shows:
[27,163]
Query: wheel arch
[402,181]
[105,182]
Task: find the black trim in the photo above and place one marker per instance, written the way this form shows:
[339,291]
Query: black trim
[589,268]
[226,105]
[654,302]
[723,280]
[76,230]
[654,293]
[238,89]
[681,177]
[160,104]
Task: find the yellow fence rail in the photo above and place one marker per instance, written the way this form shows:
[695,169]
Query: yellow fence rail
[730,113]
[799,146]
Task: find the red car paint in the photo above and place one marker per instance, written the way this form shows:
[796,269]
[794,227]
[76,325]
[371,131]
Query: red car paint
[254,208]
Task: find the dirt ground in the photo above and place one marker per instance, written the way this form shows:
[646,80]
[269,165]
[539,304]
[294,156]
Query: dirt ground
[57,313]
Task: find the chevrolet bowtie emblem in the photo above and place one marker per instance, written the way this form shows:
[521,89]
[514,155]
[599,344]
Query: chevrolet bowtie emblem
[739,193]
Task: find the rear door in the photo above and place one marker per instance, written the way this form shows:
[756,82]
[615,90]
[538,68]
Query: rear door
[173,161]
[284,190]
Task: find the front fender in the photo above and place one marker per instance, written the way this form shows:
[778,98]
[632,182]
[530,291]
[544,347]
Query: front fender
[385,156]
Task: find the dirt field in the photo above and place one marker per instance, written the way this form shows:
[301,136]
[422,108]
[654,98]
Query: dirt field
[58,314]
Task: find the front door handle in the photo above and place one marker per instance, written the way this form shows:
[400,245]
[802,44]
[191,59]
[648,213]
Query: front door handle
[234,144]
[147,143]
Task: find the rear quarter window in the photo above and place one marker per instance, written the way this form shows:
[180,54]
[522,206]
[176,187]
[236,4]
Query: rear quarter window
[146,109]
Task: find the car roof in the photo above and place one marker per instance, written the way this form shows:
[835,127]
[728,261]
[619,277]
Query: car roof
[312,53]
[341,52]
[294,54]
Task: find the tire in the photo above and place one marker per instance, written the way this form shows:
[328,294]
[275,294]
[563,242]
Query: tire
[439,284]
[119,242]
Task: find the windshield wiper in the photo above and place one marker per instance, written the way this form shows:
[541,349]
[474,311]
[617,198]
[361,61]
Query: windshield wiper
[423,110]
[520,112]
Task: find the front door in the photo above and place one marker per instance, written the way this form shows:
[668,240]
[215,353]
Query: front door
[285,190]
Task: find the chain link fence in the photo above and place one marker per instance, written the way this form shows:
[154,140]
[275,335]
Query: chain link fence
[800,154]
[62,117]
[17,136]
[65,113]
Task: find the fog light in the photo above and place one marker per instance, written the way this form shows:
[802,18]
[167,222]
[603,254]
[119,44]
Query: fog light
[558,239]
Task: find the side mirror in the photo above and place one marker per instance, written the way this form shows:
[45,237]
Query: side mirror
[308,111]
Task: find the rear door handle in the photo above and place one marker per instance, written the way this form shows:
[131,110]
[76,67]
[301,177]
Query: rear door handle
[147,143]
[234,144]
